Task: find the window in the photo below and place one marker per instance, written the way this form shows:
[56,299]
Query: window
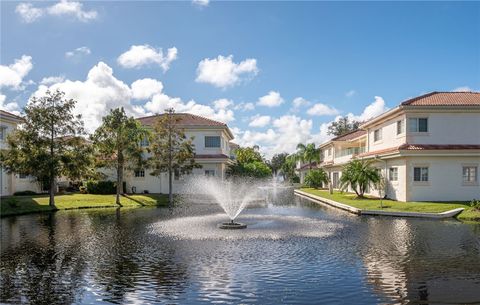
[470,174]
[399,127]
[393,174]
[209,172]
[22,176]
[335,180]
[377,135]
[211,142]
[144,142]
[3,133]
[418,124]
[139,173]
[420,174]
[329,152]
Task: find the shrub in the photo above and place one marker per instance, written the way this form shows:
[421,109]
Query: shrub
[13,202]
[475,204]
[315,178]
[295,179]
[101,187]
[24,193]
[83,189]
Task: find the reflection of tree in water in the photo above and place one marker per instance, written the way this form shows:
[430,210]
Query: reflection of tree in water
[128,264]
[422,261]
[41,270]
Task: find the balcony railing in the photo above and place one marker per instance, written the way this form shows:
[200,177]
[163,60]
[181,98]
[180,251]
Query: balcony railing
[350,151]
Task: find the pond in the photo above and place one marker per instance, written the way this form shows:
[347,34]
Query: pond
[293,252]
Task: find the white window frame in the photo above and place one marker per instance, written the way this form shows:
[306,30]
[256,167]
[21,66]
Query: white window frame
[209,172]
[139,173]
[393,174]
[469,175]
[401,126]
[424,171]
[22,176]
[416,127]
[3,133]
[219,141]
[377,137]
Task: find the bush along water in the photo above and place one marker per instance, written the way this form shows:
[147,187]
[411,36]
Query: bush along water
[101,187]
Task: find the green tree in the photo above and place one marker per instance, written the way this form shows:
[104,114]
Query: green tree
[248,154]
[117,143]
[308,153]
[171,150]
[315,178]
[288,167]
[342,126]
[359,175]
[49,143]
[277,162]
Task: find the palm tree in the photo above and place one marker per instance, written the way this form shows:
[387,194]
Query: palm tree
[359,175]
[308,153]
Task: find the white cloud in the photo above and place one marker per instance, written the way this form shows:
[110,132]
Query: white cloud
[12,107]
[259,121]
[374,109]
[463,89]
[222,72]
[201,2]
[272,99]
[300,102]
[12,75]
[245,106]
[78,52]
[30,14]
[350,93]
[145,88]
[52,80]
[322,109]
[144,55]
[222,103]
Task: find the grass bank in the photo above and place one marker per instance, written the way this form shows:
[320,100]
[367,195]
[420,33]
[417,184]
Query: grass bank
[469,214]
[16,205]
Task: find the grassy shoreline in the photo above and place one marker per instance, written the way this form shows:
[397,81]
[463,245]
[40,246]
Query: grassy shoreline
[19,205]
[369,203]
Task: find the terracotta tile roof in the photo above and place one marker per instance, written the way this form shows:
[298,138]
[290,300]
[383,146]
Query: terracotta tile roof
[445,99]
[438,146]
[212,156]
[420,147]
[351,135]
[307,166]
[184,119]
[10,115]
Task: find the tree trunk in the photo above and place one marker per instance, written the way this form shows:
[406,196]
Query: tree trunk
[52,192]
[170,161]
[119,177]
[170,193]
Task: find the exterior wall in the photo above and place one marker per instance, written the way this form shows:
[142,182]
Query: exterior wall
[447,128]
[199,141]
[445,179]
[25,184]
[389,134]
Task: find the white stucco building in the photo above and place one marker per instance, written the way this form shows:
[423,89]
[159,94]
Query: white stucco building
[11,183]
[213,151]
[427,148]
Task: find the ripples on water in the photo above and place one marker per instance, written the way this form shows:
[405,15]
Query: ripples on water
[292,253]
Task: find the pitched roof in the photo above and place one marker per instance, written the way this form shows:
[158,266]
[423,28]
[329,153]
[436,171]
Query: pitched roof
[10,115]
[351,135]
[445,99]
[184,119]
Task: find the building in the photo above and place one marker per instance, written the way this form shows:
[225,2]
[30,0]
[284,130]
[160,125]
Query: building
[11,183]
[213,151]
[427,148]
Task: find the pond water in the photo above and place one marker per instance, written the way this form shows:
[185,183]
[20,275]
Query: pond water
[293,252]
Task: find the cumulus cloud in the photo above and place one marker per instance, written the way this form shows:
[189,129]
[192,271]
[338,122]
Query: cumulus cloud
[463,89]
[201,2]
[78,52]
[300,102]
[272,99]
[320,109]
[144,55]
[259,121]
[223,72]
[376,108]
[11,107]
[146,88]
[29,13]
[222,103]
[52,80]
[245,106]
[12,76]
[350,93]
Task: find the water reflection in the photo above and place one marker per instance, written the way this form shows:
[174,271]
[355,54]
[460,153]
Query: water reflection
[109,256]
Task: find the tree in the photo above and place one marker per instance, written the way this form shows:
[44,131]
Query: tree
[308,153]
[342,126]
[171,150]
[248,154]
[249,163]
[359,175]
[288,167]
[49,143]
[117,142]
[277,162]
[315,178]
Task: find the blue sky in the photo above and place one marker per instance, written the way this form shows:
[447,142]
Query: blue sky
[340,58]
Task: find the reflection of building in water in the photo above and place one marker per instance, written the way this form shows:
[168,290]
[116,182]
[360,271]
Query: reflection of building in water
[421,261]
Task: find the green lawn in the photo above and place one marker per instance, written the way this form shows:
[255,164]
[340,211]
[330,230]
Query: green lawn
[13,205]
[469,214]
